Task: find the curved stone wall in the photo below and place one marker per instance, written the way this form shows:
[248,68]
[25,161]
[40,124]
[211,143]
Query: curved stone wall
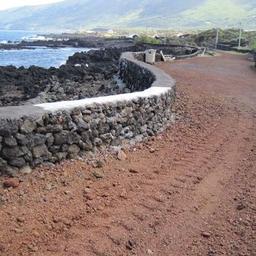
[51,132]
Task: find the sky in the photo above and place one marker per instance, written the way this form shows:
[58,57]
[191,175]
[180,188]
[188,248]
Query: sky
[5,4]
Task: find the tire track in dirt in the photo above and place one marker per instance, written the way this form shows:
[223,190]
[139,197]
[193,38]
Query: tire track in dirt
[204,191]
[151,204]
[173,195]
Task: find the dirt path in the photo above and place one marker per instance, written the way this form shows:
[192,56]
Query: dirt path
[190,191]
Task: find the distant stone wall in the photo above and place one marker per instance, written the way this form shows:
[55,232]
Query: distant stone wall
[141,56]
[254,57]
[139,82]
[51,132]
[172,49]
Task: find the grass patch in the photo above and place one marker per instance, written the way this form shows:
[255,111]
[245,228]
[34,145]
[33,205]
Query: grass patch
[147,40]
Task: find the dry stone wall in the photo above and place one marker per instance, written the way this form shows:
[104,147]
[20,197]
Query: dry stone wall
[51,132]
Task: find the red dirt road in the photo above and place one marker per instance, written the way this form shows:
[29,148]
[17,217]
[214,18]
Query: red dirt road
[189,191]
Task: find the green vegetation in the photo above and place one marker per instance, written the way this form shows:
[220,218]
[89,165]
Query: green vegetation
[253,45]
[230,36]
[159,14]
[225,36]
[147,40]
[218,13]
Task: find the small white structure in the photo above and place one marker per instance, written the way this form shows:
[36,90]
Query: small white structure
[150,56]
[162,56]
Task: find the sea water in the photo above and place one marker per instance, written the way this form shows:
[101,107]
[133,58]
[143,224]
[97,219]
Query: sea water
[40,56]
[15,35]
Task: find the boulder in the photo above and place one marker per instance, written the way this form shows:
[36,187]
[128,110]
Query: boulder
[98,142]
[17,162]
[49,139]
[28,126]
[26,170]
[39,139]
[81,125]
[121,155]
[10,141]
[8,127]
[12,152]
[11,183]
[40,151]
[73,149]
[61,138]
[3,165]
[22,139]
[61,155]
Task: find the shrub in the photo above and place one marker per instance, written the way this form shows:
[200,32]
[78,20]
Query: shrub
[148,40]
[253,45]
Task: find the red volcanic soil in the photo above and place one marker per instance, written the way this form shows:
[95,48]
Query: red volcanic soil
[189,191]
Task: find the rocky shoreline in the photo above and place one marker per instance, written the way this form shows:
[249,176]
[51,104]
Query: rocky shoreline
[84,75]
[15,47]
[89,42]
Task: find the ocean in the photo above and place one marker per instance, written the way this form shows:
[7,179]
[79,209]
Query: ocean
[41,56]
[15,35]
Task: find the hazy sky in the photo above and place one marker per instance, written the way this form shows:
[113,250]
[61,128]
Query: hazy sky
[5,4]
